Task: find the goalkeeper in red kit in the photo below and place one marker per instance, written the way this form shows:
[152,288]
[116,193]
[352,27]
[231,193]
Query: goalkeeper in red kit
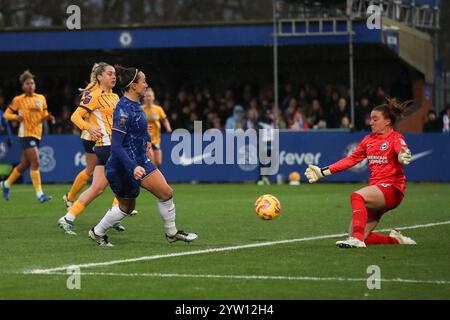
[387,153]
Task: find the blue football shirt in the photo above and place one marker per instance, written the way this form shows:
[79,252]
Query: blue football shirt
[130,119]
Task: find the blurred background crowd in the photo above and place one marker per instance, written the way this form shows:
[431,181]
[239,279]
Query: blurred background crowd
[304,107]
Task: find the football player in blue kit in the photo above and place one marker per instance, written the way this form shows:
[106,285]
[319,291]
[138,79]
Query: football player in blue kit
[129,168]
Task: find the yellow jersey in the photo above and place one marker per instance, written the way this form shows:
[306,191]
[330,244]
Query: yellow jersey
[100,106]
[33,109]
[85,135]
[155,114]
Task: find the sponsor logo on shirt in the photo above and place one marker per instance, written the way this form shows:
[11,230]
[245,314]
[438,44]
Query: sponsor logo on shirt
[377,159]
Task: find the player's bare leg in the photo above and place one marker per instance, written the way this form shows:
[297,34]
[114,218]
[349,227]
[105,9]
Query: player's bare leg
[157,185]
[98,186]
[157,158]
[151,154]
[24,163]
[373,198]
[91,163]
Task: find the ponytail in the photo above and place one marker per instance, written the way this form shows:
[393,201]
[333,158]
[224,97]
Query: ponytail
[394,109]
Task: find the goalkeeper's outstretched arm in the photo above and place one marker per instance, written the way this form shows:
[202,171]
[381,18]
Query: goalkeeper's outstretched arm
[314,173]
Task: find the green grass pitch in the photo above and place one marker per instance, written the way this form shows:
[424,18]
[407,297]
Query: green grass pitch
[223,216]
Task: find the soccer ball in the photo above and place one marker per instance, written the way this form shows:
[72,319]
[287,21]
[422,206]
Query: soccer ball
[267,207]
[294,178]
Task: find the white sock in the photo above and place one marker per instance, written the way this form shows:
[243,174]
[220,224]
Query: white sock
[167,212]
[39,194]
[111,217]
[6,184]
[70,217]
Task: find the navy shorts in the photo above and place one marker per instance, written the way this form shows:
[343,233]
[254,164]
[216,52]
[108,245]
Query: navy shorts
[88,146]
[102,154]
[122,181]
[29,142]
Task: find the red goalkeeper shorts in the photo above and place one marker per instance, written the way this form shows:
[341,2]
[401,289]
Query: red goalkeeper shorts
[392,199]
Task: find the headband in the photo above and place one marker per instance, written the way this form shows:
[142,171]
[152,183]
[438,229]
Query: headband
[134,78]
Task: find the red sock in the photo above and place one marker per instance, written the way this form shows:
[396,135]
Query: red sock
[359,217]
[378,238]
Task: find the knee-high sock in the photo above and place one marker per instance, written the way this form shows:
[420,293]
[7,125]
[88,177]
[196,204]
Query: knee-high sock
[15,174]
[378,238]
[167,212]
[74,211]
[111,217]
[36,180]
[78,184]
[359,216]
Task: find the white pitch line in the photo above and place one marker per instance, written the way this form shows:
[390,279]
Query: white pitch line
[249,277]
[214,250]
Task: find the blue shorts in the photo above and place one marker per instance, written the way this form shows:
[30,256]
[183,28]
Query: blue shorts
[88,146]
[29,142]
[122,181]
[102,154]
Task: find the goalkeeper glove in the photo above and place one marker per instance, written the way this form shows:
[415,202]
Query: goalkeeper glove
[314,173]
[404,156]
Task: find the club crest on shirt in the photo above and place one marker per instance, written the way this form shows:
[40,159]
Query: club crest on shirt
[38,104]
[384,146]
[87,99]
[123,118]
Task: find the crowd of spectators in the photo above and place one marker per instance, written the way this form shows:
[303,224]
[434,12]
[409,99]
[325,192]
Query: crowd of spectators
[306,107]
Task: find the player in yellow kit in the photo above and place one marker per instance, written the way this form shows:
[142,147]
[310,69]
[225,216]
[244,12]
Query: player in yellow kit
[88,144]
[30,110]
[155,115]
[100,105]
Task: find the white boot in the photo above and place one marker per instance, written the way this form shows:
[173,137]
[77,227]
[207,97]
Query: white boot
[401,238]
[350,243]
